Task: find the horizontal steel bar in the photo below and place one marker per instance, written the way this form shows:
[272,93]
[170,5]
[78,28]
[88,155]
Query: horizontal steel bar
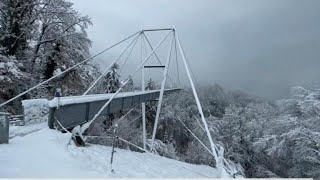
[158,66]
[164,29]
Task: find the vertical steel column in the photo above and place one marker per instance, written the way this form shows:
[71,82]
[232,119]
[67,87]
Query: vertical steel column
[143,105]
[161,95]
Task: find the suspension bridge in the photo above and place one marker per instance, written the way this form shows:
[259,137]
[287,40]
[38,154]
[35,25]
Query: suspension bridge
[79,112]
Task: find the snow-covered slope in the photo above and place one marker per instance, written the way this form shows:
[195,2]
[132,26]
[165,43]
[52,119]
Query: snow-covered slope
[44,153]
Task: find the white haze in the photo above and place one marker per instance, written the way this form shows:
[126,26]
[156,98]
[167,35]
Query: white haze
[262,47]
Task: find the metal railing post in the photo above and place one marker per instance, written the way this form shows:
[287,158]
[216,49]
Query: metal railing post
[4,127]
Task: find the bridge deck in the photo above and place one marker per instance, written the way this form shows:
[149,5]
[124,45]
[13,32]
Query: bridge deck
[75,110]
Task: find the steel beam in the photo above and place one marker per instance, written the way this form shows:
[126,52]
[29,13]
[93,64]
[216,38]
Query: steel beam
[163,83]
[143,105]
[163,29]
[154,66]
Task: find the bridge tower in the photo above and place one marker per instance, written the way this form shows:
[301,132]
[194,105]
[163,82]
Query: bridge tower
[214,149]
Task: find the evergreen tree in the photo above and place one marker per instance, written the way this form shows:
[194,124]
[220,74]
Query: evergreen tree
[151,85]
[17,23]
[111,82]
[129,87]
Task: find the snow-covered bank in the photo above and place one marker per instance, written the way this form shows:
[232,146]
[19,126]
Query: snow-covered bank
[15,131]
[44,153]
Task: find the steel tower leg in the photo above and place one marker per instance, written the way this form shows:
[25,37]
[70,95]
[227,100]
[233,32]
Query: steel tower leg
[218,160]
[143,105]
[161,95]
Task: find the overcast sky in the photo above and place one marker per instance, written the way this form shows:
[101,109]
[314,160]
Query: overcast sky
[259,46]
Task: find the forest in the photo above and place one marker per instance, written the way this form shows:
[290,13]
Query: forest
[40,38]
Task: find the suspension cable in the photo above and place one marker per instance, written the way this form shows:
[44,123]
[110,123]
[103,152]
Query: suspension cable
[122,118]
[128,56]
[61,125]
[229,169]
[188,106]
[67,70]
[157,57]
[192,133]
[86,125]
[133,121]
[110,66]
[152,108]
[132,144]
[121,130]
[143,37]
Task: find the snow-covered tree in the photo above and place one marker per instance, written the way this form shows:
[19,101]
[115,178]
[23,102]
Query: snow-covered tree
[129,87]
[111,82]
[11,81]
[61,39]
[17,25]
[151,85]
[43,38]
[289,144]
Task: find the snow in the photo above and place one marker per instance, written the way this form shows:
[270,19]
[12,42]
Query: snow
[44,153]
[11,67]
[57,71]
[34,102]
[96,97]
[16,131]
[35,110]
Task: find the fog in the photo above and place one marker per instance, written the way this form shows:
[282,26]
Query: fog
[261,47]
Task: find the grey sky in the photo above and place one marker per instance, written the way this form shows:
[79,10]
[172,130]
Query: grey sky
[258,46]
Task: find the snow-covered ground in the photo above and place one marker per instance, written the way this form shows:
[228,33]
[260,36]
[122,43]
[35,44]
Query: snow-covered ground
[37,151]
[15,131]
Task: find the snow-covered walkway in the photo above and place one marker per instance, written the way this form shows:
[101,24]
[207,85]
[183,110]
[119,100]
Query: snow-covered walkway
[44,153]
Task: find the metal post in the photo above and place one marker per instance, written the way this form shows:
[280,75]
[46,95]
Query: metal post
[143,105]
[161,95]
[58,94]
[4,127]
[113,145]
[218,161]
